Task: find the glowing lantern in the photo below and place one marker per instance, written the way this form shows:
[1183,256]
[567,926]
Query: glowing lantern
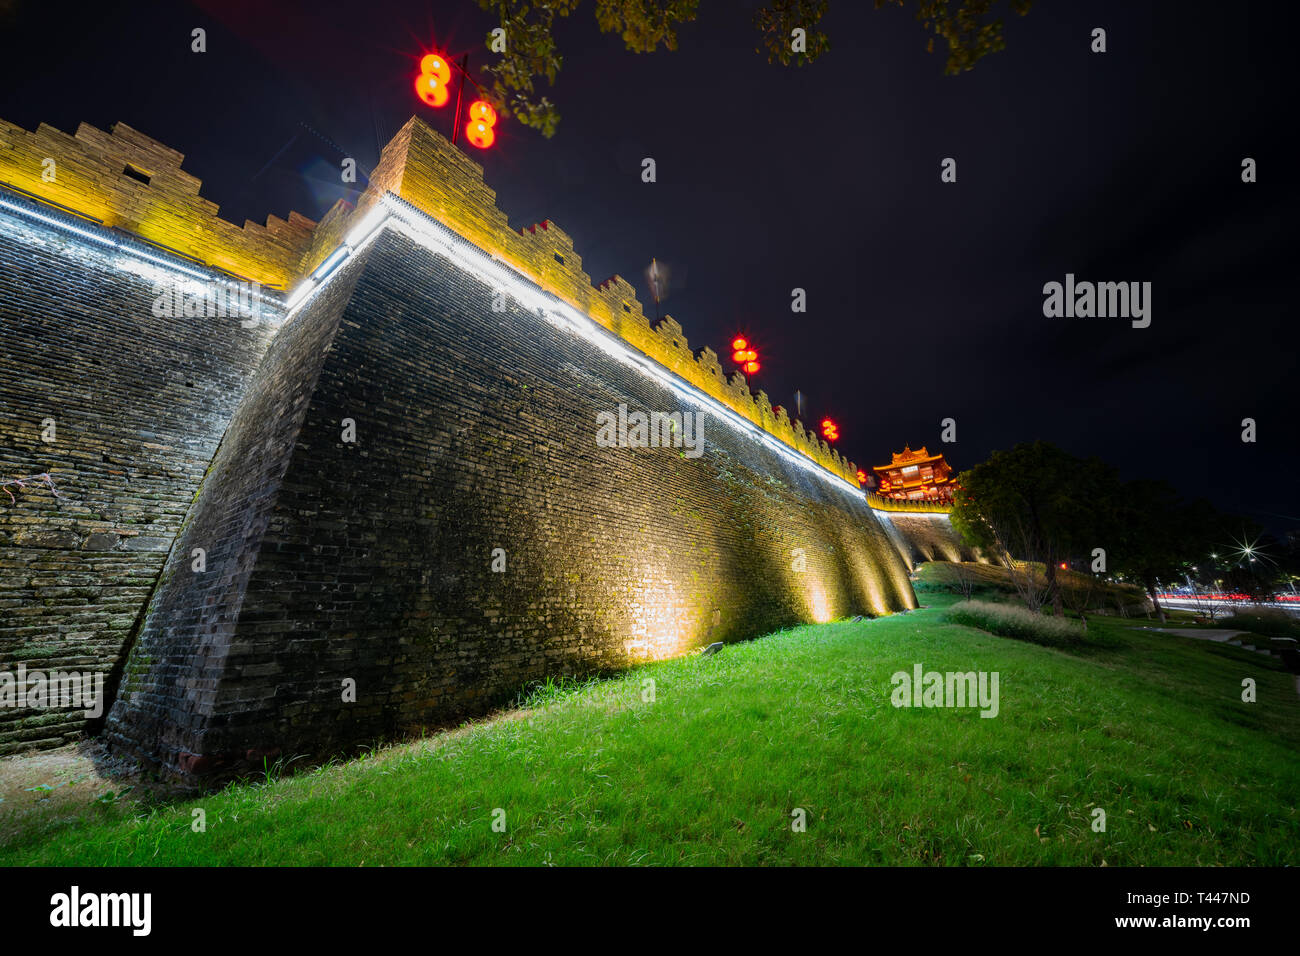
[481,112]
[482,117]
[744,356]
[480,134]
[434,65]
[431,90]
[830,430]
[862,477]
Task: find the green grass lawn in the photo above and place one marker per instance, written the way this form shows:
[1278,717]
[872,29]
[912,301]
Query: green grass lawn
[1149,727]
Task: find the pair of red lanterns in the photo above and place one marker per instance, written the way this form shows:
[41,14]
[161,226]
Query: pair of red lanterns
[744,356]
[433,86]
[747,359]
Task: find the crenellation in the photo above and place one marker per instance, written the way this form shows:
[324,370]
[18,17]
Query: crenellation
[89,176]
[783,429]
[132,145]
[707,359]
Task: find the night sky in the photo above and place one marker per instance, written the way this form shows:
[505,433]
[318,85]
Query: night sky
[924,299]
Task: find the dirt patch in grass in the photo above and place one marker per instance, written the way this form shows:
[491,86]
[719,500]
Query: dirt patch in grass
[54,782]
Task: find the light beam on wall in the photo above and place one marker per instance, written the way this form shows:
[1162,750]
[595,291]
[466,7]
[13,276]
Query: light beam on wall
[819,605]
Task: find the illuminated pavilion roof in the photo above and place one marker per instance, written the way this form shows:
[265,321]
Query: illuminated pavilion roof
[908,457]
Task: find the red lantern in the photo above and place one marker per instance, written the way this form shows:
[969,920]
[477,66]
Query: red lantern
[482,117]
[432,90]
[480,134]
[481,112]
[434,65]
[744,356]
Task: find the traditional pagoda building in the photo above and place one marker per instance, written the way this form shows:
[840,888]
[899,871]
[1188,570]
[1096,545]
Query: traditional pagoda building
[915,476]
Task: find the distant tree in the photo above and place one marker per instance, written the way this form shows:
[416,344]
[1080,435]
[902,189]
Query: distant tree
[1159,536]
[969,28]
[1289,559]
[1038,504]
[1084,592]
[964,578]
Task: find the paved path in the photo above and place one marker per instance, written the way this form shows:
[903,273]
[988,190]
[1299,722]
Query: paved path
[1219,635]
[1199,632]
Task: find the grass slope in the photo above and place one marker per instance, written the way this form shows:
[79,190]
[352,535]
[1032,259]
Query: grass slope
[1150,728]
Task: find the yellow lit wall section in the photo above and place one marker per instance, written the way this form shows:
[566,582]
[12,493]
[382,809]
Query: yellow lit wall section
[102,176]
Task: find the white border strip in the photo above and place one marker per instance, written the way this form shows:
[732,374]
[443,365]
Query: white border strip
[103,238]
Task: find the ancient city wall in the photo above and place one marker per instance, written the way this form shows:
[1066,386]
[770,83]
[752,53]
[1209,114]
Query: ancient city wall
[921,537]
[325,560]
[475,431]
[123,411]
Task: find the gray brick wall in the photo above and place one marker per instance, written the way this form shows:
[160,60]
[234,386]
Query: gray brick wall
[139,404]
[922,537]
